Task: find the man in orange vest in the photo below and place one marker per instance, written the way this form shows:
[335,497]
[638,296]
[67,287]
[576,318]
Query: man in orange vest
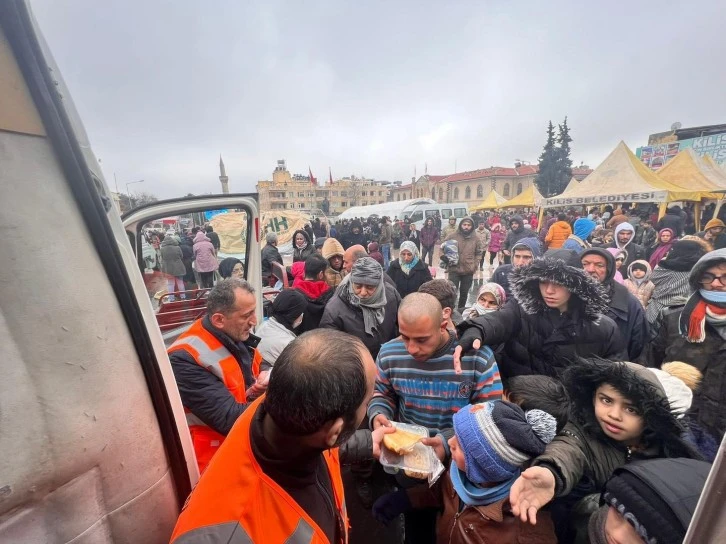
[277,477]
[215,365]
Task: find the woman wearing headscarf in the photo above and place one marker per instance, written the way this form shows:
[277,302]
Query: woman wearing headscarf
[408,272]
[279,330]
[620,256]
[232,267]
[666,239]
[302,246]
[490,298]
[365,306]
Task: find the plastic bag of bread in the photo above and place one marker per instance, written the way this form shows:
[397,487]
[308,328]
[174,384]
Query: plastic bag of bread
[403,450]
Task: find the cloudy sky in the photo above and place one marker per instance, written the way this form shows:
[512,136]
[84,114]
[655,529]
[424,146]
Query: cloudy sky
[374,88]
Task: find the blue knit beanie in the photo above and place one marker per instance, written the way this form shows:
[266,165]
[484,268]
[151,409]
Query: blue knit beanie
[498,438]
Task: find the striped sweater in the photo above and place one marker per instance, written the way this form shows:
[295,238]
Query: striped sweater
[429,393]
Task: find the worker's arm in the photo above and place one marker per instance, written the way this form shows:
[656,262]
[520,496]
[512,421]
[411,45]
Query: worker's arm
[204,394]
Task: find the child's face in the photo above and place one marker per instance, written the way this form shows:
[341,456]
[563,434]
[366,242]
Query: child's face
[618,529]
[457,455]
[638,274]
[616,415]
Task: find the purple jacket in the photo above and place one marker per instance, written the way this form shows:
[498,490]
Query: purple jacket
[204,256]
[429,236]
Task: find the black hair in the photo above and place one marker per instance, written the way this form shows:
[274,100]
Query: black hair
[561,217]
[540,393]
[319,377]
[442,290]
[639,266]
[208,228]
[314,265]
[195,230]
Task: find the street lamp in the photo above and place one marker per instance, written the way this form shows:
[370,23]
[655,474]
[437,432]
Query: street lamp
[127,188]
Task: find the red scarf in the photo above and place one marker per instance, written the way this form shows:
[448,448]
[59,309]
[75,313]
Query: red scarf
[697,322]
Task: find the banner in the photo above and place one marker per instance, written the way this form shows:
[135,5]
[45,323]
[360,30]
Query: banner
[284,223]
[655,156]
[232,231]
[651,196]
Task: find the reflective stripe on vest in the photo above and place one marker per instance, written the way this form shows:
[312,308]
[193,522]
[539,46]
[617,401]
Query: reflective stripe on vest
[234,533]
[211,359]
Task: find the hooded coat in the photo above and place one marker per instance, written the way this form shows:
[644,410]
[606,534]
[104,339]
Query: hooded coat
[501,274]
[643,288]
[332,248]
[623,307]
[497,238]
[352,239]
[302,254]
[515,235]
[582,453]
[635,251]
[557,234]
[204,255]
[470,249]
[172,262]
[709,402]
[577,241]
[540,340]
[672,220]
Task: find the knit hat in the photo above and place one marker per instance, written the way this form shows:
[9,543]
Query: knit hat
[498,438]
[713,223]
[288,306]
[366,271]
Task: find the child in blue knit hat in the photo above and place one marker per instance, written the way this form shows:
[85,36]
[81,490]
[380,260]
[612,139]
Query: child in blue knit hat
[492,443]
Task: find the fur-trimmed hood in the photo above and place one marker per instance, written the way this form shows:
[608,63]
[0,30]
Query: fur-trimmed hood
[588,295]
[638,384]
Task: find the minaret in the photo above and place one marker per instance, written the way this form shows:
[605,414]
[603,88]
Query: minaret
[223,179]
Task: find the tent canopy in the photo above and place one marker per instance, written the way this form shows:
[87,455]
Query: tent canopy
[571,186]
[493,201]
[621,177]
[529,198]
[688,171]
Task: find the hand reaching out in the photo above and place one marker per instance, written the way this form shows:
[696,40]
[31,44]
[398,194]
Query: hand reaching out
[534,488]
[377,436]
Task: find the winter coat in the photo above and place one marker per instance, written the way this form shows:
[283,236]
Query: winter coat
[497,239]
[274,337]
[577,241]
[331,248]
[317,294]
[187,247]
[270,254]
[672,220]
[351,239]
[548,222]
[558,233]
[341,316]
[642,289]
[484,237]
[540,340]
[386,235]
[204,256]
[406,284]
[302,254]
[415,237]
[214,238]
[582,454]
[478,524]
[447,231]
[501,274]
[617,218]
[635,251]
[514,236]
[429,236]
[470,250]
[172,262]
[623,308]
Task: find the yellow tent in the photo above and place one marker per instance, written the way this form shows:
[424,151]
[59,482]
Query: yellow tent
[493,201]
[712,165]
[571,186]
[529,198]
[621,177]
[688,171]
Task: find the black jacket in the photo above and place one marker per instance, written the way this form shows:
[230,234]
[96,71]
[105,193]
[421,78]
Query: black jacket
[501,276]
[623,308]
[214,238]
[410,283]
[343,317]
[672,220]
[350,239]
[205,394]
[302,254]
[270,254]
[514,236]
[540,340]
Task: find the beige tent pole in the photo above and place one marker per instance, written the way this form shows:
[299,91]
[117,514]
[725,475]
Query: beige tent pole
[697,214]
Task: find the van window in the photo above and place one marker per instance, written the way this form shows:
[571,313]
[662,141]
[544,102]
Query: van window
[417,216]
[430,213]
[459,212]
[445,213]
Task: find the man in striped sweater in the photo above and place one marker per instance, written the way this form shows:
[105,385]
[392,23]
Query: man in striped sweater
[416,383]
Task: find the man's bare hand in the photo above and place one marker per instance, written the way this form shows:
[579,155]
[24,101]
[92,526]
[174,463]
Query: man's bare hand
[459,351]
[381,421]
[378,438]
[534,488]
[437,442]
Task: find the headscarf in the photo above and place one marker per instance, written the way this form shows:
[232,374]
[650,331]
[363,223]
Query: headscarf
[663,248]
[227,265]
[289,305]
[494,289]
[368,272]
[409,246]
[615,252]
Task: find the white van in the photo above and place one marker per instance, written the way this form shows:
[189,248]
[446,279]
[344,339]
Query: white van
[420,212]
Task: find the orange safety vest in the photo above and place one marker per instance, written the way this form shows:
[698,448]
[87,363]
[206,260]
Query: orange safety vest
[211,354]
[236,502]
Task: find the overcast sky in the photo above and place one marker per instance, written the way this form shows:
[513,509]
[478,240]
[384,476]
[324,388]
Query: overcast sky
[374,88]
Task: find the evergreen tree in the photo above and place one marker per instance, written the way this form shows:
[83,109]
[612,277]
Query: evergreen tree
[564,162]
[546,180]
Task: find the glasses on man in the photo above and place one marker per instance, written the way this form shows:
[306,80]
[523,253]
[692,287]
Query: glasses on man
[707,279]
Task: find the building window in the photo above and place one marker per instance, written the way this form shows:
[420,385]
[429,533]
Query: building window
[398,198]
[291,194]
[301,205]
[456,193]
[467,193]
[344,204]
[363,193]
[480,191]
[380,193]
[433,194]
[335,193]
[505,192]
[519,188]
[441,194]
[343,193]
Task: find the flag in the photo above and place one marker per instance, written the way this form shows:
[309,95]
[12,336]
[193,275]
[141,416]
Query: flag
[331,175]
[313,181]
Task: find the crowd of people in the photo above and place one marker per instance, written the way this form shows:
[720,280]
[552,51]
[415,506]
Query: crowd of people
[577,396]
